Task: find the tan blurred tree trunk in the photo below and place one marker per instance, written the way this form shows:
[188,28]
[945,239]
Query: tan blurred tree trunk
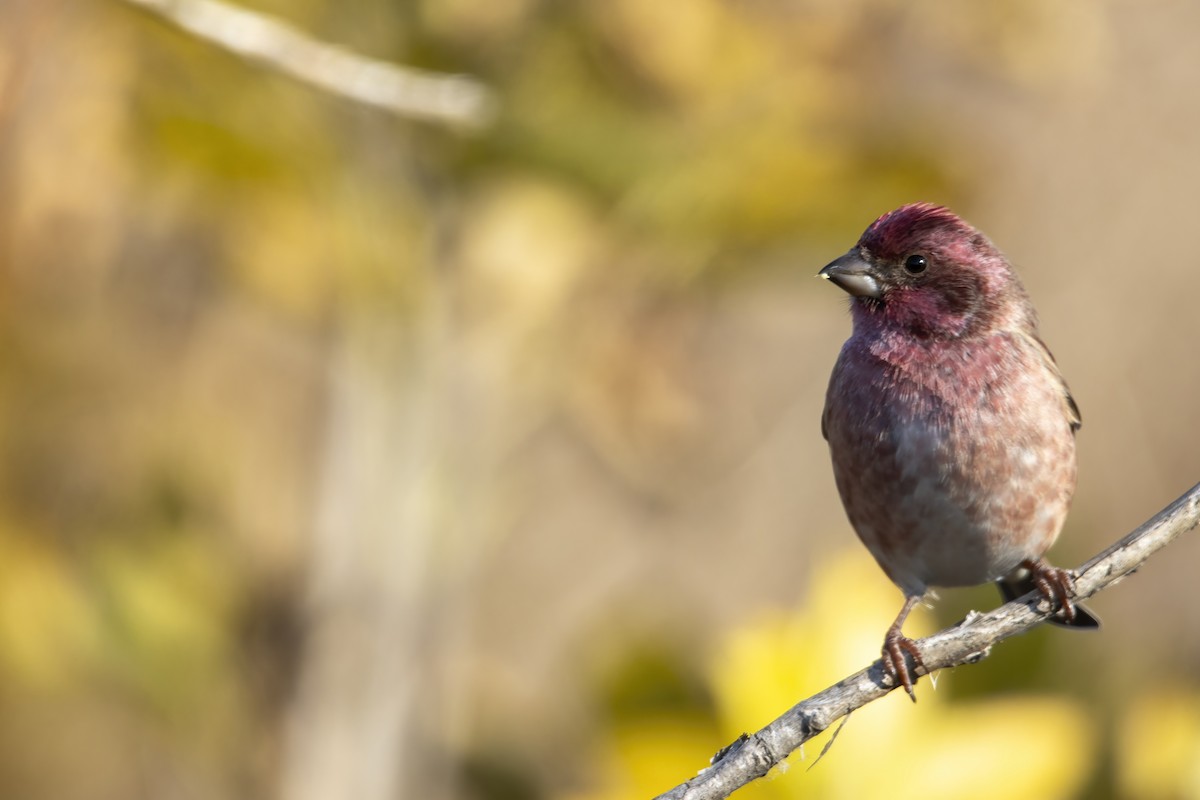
[352,730]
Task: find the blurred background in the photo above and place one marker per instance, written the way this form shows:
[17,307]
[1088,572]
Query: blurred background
[352,455]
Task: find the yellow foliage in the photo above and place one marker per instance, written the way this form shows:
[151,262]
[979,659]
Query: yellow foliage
[168,605]
[280,254]
[1158,747]
[1014,746]
[46,623]
[650,756]
[526,247]
[684,63]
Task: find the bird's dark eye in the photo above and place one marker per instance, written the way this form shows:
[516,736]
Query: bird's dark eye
[915,265]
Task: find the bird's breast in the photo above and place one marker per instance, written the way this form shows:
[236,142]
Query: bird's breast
[951,464]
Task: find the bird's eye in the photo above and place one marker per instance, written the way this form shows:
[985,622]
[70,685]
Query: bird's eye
[915,265]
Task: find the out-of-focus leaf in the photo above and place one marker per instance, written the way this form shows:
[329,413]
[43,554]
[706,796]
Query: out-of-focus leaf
[647,756]
[1158,745]
[48,628]
[169,606]
[1027,745]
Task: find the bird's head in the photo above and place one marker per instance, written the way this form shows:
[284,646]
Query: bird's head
[923,270]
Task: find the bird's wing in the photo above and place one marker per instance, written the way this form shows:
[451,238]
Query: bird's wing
[1070,408]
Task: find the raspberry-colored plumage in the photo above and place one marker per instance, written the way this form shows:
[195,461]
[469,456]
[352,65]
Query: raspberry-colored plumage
[951,430]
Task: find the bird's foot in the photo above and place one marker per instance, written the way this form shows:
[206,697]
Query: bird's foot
[895,647]
[1056,585]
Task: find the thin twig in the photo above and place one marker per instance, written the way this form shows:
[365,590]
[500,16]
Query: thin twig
[753,756]
[405,91]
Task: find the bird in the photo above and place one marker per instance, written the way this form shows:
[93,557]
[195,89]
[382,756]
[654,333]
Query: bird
[950,427]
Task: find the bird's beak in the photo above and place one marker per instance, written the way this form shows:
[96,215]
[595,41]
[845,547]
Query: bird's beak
[853,274]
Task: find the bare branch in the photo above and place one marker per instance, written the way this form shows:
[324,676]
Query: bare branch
[752,756]
[405,91]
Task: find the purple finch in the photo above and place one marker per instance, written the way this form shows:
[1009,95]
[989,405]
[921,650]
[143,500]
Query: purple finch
[951,430]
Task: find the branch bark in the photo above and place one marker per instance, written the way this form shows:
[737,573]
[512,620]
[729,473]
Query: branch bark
[752,756]
[405,91]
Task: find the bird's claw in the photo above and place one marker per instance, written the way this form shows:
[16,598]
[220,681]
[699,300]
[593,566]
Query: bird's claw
[895,647]
[1056,585]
